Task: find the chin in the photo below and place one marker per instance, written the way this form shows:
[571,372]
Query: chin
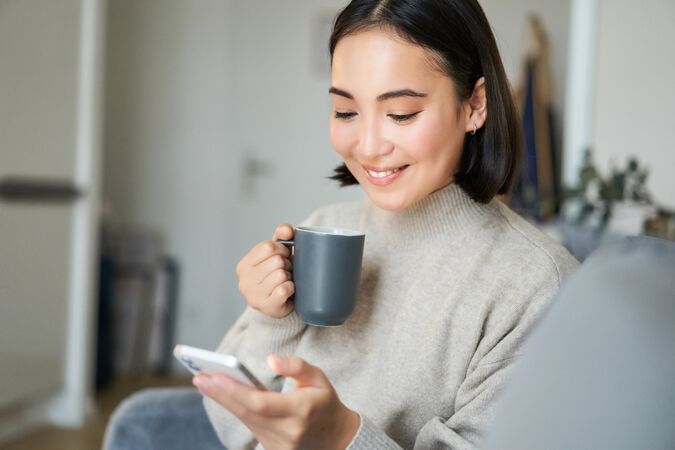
[388,202]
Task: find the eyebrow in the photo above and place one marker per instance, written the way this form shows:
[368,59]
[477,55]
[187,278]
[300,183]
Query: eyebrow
[381,97]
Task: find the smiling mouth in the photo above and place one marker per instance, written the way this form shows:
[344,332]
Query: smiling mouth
[384,173]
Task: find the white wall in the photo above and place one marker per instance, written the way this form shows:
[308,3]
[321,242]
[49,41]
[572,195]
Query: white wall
[509,23]
[168,127]
[635,95]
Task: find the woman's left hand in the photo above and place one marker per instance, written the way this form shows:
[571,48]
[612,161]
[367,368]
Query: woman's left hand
[311,416]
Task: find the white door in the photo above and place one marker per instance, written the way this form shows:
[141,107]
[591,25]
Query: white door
[48,195]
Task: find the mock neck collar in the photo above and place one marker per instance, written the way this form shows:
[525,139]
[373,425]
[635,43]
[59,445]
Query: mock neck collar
[442,214]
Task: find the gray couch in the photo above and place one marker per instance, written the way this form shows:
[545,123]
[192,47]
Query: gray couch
[598,372]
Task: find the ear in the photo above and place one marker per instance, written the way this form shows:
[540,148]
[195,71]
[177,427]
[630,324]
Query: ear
[475,108]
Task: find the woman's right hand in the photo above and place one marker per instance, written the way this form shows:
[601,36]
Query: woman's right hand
[265,275]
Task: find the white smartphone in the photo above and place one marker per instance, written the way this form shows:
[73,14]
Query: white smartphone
[199,360]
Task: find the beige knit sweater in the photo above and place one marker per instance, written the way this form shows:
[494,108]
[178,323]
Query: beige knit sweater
[449,290]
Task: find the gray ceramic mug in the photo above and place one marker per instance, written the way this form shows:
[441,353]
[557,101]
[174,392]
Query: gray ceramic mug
[326,273]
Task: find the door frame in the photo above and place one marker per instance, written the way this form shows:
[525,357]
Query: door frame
[70,406]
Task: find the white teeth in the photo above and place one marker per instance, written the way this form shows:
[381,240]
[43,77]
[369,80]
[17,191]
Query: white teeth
[382,174]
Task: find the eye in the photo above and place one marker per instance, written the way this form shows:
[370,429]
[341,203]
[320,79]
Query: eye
[344,115]
[403,117]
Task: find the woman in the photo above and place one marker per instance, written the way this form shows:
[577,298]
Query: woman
[452,279]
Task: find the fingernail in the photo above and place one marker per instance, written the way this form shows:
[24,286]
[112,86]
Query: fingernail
[277,361]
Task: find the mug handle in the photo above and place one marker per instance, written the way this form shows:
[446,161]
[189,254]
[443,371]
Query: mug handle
[290,243]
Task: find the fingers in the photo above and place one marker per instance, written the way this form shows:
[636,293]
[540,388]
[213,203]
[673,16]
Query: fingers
[300,370]
[261,252]
[267,267]
[265,275]
[276,288]
[270,283]
[268,286]
[278,302]
[283,231]
[274,279]
[243,401]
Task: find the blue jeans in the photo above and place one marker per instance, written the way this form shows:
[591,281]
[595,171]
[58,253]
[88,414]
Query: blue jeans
[166,419]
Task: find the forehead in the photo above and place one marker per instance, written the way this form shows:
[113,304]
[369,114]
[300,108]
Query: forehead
[376,60]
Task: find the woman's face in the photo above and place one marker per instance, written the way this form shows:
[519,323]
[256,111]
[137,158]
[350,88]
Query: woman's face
[396,120]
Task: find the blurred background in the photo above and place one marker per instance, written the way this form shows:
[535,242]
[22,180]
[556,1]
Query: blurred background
[146,145]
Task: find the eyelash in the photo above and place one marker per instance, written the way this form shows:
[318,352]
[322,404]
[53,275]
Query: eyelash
[403,117]
[395,117]
[344,115]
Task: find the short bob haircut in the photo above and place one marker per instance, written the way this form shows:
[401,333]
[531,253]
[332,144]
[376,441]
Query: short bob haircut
[461,40]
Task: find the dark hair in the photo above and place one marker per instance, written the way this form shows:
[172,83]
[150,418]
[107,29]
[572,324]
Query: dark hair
[459,35]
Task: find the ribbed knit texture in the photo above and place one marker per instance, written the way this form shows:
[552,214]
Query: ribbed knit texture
[449,290]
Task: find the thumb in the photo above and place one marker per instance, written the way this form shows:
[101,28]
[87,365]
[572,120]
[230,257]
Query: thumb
[283,231]
[304,374]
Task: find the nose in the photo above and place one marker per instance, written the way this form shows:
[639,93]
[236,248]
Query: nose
[372,141]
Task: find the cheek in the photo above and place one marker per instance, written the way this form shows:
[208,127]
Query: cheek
[438,141]
[341,138]
[430,140]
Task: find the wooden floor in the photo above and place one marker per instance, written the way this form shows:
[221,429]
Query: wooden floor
[90,437]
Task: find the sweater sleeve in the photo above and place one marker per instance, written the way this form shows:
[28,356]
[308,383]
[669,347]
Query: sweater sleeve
[487,375]
[463,429]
